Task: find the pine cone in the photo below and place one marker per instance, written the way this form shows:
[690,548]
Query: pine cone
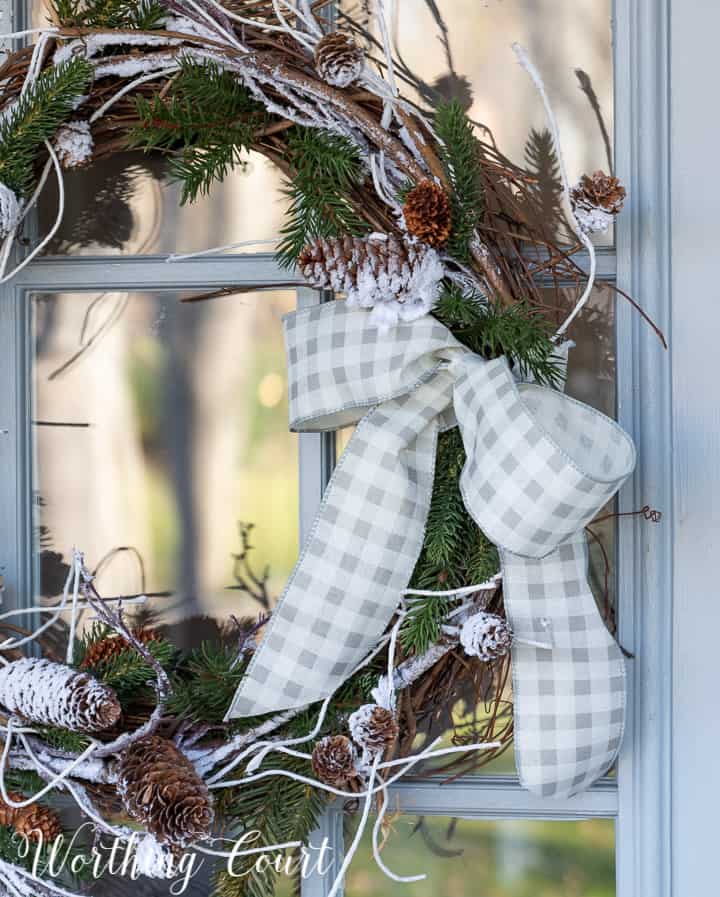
[74,144]
[596,200]
[338,59]
[427,213]
[34,821]
[56,695]
[111,647]
[161,789]
[38,823]
[7,812]
[373,727]
[399,280]
[486,636]
[334,761]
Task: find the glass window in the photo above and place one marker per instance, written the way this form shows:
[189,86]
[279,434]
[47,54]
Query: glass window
[158,425]
[462,49]
[478,858]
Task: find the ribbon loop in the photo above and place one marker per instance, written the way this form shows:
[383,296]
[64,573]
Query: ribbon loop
[539,466]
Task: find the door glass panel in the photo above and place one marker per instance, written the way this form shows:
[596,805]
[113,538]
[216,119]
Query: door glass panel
[461,49]
[127,205]
[478,858]
[159,425]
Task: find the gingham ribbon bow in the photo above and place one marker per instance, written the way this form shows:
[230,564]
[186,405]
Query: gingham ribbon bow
[539,467]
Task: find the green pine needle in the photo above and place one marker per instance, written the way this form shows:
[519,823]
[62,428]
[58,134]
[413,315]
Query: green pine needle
[460,157]
[518,332]
[326,169]
[206,125]
[455,551]
[35,118]
[144,15]
[206,683]
[280,810]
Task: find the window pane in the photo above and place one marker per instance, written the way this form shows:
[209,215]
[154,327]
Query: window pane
[478,858]
[126,205]
[163,432]
[461,49]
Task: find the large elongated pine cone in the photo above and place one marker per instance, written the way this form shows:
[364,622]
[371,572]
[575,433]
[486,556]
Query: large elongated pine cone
[57,695]
[380,272]
[161,789]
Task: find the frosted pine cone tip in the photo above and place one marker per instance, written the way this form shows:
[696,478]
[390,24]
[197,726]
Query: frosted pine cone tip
[338,59]
[486,636]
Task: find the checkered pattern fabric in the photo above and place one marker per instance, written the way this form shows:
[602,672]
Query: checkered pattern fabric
[569,702]
[539,467]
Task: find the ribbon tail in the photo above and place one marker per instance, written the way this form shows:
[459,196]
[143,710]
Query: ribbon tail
[357,561]
[569,701]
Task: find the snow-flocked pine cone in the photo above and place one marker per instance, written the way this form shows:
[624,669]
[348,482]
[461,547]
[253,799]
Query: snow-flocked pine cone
[373,728]
[486,636]
[57,695]
[74,144]
[109,648]
[334,762]
[596,199]
[427,213]
[160,788]
[399,280]
[338,59]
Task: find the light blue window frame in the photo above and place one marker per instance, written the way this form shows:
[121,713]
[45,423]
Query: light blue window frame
[639,799]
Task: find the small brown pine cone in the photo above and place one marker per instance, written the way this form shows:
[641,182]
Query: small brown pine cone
[57,695]
[334,762]
[427,213]
[599,191]
[38,823]
[7,812]
[160,788]
[373,728]
[111,647]
[338,59]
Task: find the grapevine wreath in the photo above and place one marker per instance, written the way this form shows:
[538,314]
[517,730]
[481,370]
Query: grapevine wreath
[450,550]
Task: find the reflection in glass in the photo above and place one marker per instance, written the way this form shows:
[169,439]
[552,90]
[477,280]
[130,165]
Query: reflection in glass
[159,425]
[478,858]
[460,49]
[125,204]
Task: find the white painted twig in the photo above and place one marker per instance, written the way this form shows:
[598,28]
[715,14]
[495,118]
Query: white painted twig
[537,80]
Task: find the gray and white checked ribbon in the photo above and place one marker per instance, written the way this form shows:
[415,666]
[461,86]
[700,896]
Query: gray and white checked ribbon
[539,467]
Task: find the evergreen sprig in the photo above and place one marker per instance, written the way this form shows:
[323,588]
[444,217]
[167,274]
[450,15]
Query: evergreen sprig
[206,682]
[281,810]
[461,160]
[518,332]
[35,118]
[326,168]
[205,125]
[128,673]
[455,551]
[143,15]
